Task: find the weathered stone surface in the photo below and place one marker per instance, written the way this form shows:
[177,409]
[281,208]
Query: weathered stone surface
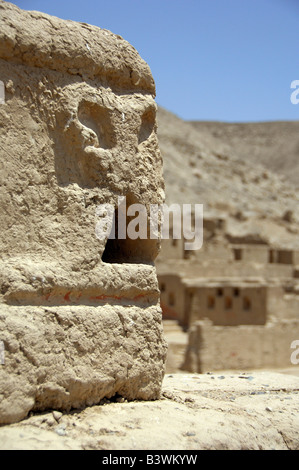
[224,411]
[39,40]
[78,129]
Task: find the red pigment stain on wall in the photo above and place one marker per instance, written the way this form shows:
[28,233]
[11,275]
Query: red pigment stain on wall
[67,297]
[115,297]
[168,312]
[102,297]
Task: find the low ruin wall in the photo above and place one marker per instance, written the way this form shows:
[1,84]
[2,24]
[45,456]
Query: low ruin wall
[80,317]
[242,347]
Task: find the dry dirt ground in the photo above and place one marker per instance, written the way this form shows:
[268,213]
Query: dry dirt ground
[213,411]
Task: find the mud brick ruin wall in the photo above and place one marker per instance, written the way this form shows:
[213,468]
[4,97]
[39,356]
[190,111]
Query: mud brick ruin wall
[78,129]
[241,347]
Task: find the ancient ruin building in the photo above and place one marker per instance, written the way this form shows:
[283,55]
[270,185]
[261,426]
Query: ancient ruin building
[236,299]
[223,301]
[80,317]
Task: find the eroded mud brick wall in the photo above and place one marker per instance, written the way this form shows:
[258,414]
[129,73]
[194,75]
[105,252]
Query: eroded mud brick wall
[78,129]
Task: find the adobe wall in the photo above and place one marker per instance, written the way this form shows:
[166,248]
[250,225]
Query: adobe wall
[296,272]
[207,253]
[214,348]
[172,296]
[221,268]
[171,249]
[78,129]
[232,304]
[283,256]
[282,305]
[259,254]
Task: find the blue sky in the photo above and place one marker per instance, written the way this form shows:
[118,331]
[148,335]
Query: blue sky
[222,60]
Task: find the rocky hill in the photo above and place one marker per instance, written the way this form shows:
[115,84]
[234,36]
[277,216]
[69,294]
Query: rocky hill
[272,144]
[247,172]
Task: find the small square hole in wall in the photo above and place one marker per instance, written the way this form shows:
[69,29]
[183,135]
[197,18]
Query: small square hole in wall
[126,250]
[246,304]
[219,292]
[211,302]
[228,303]
[171,299]
[271,256]
[236,292]
[237,254]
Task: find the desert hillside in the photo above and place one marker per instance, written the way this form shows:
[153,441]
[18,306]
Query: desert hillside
[247,172]
[272,144]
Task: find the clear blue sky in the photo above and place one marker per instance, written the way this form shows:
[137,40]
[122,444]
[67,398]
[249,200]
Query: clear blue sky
[225,60]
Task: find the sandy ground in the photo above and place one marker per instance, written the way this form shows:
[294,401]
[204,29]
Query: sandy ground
[258,410]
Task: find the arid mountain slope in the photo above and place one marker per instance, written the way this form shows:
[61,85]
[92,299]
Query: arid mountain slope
[203,166]
[273,144]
